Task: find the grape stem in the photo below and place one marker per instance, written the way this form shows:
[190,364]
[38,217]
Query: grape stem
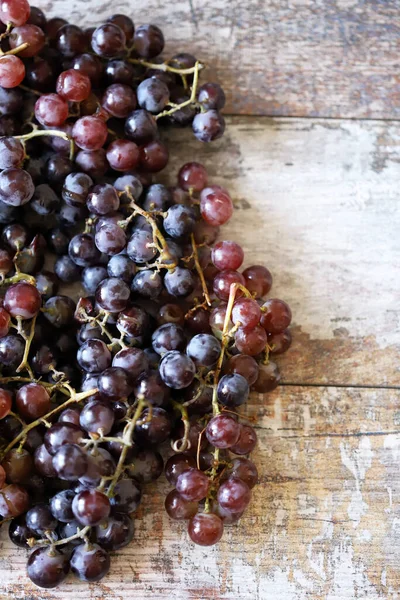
[47,132]
[81,533]
[74,398]
[200,271]
[182,444]
[127,441]
[28,341]
[193,93]
[159,240]
[166,67]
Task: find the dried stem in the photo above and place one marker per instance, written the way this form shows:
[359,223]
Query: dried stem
[28,341]
[166,67]
[192,98]
[182,444]
[200,270]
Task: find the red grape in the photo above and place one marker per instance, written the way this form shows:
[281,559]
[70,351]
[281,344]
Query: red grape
[268,378]
[90,133]
[14,11]
[279,342]
[223,431]
[178,508]
[258,280]
[12,71]
[193,176]
[276,316]
[5,321]
[247,440]
[215,205]
[223,281]
[123,155]
[251,341]
[73,85]
[51,110]
[246,312]
[244,365]
[5,403]
[205,529]
[193,485]
[22,300]
[227,255]
[234,495]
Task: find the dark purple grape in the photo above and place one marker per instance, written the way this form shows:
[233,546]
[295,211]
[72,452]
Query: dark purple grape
[168,337]
[211,96]
[101,464]
[116,532]
[70,462]
[152,95]
[126,497]
[208,126]
[66,269]
[112,295]
[82,250]
[133,360]
[110,239]
[147,284]
[60,434]
[97,416]
[93,356]
[61,506]
[39,519]
[90,507]
[59,311]
[141,247]
[155,430]
[179,282]
[114,383]
[47,567]
[177,464]
[158,197]
[140,127]
[108,40]
[148,41]
[92,276]
[152,388]
[146,467]
[204,350]
[90,562]
[19,532]
[177,370]
[233,390]
[122,267]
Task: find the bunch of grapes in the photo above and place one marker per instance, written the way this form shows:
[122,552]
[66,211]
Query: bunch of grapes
[125,328]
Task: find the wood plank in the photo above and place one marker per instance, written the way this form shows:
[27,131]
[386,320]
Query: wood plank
[293,58]
[317,202]
[323,522]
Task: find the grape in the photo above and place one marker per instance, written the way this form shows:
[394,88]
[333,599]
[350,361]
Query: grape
[133,321]
[82,250]
[276,316]
[94,356]
[18,465]
[60,434]
[73,85]
[204,350]
[199,398]
[177,464]
[100,464]
[16,187]
[27,34]
[32,401]
[268,378]
[179,221]
[233,390]
[108,40]
[223,281]
[178,508]
[140,247]
[112,294]
[115,533]
[123,155]
[153,431]
[44,201]
[121,267]
[47,567]
[22,300]
[177,370]
[92,276]
[114,383]
[215,205]
[90,507]
[59,310]
[96,416]
[243,365]
[119,100]
[279,342]
[5,322]
[258,280]
[152,388]
[89,133]
[11,351]
[205,529]
[171,313]
[5,403]
[70,40]
[179,282]
[89,65]
[39,519]
[37,17]
[70,415]
[193,177]
[147,466]
[223,431]
[44,462]
[147,284]
[168,337]
[192,485]
[51,110]
[14,11]
[251,341]
[14,500]
[94,163]
[125,23]
[141,127]
[246,313]
[126,497]
[152,95]
[244,469]
[208,126]
[148,41]
[61,506]
[130,182]
[246,442]
[153,156]
[234,495]
[103,199]
[211,96]
[12,153]
[133,360]
[19,532]
[70,462]
[39,75]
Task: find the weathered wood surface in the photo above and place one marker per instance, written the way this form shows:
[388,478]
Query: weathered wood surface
[317,201]
[329,58]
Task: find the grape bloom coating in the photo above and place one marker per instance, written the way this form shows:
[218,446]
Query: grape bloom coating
[151,360]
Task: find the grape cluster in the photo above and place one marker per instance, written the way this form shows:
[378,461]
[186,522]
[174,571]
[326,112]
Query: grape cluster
[166,337]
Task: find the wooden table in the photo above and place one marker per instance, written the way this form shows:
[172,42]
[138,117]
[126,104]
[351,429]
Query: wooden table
[316,189]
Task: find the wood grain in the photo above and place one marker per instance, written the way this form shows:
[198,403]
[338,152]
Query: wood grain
[335,58]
